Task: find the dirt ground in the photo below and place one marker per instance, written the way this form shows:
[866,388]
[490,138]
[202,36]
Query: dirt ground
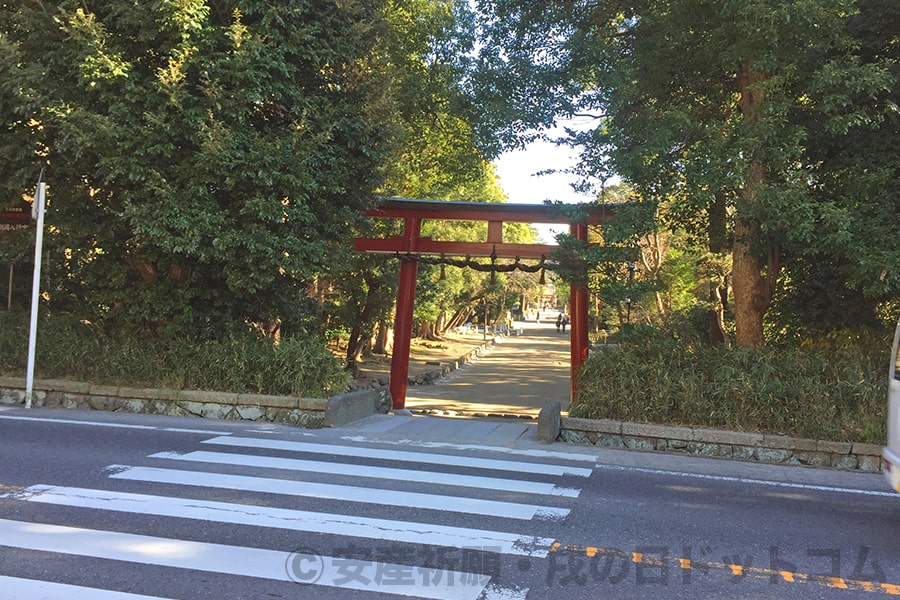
[424,355]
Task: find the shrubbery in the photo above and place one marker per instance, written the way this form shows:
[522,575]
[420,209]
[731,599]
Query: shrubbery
[70,349]
[831,388]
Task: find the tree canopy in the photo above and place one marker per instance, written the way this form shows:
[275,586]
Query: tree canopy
[198,152]
[209,160]
[742,118]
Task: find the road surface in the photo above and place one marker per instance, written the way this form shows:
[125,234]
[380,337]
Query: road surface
[125,507]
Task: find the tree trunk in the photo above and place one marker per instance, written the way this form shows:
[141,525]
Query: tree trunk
[353,345]
[750,299]
[462,315]
[365,350]
[426,332]
[660,306]
[357,342]
[718,291]
[440,325]
[654,249]
[752,295]
[384,340]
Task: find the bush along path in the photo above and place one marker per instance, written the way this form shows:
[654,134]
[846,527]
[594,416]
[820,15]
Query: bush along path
[834,389]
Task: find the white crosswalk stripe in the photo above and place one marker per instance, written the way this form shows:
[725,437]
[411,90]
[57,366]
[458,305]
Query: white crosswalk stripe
[215,558]
[293,520]
[343,493]
[357,470]
[398,455]
[17,587]
[295,470]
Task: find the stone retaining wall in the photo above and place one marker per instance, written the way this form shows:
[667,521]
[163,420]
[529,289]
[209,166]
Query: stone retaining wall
[310,413]
[303,412]
[751,447]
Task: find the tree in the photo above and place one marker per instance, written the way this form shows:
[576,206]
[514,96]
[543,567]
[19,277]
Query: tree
[710,102]
[200,153]
[434,156]
[850,267]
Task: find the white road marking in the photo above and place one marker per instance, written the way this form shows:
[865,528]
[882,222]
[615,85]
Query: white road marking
[14,587]
[784,484]
[531,452]
[418,457]
[342,493]
[452,479]
[496,592]
[304,566]
[294,520]
[115,425]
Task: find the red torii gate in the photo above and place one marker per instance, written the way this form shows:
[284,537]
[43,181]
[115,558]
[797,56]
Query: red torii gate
[411,245]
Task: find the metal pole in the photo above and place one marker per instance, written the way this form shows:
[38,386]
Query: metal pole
[35,291]
[9,289]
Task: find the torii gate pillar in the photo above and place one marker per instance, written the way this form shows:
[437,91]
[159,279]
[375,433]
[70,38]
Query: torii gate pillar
[403,322]
[578,340]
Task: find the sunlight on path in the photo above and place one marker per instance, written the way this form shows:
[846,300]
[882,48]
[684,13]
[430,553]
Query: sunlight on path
[517,376]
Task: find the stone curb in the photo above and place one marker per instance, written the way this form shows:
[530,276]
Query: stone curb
[304,412]
[444,369]
[354,406]
[549,421]
[698,441]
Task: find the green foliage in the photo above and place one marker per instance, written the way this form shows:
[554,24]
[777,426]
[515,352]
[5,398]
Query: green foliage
[71,349]
[209,160]
[679,280]
[831,388]
[200,153]
[688,95]
[854,251]
[437,157]
[433,156]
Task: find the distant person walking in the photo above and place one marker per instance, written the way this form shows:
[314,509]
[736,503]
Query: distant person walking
[559,322]
[565,321]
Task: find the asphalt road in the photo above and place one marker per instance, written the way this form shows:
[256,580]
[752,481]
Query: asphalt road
[105,506]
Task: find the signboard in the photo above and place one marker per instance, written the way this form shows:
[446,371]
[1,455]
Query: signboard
[15,217]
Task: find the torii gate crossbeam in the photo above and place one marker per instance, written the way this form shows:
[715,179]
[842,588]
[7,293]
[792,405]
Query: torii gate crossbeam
[411,244]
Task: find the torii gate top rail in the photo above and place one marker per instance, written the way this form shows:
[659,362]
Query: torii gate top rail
[481,211]
[494,213]
[411,244]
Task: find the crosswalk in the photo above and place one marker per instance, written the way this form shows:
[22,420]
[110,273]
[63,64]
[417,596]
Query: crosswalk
[344,515]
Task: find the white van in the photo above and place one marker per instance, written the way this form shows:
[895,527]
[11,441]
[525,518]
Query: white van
[890,455]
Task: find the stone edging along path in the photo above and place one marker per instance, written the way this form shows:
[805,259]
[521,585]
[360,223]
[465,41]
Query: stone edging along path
[309,413]
[304,412]
[345,408]
[698,441]
[442,370]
